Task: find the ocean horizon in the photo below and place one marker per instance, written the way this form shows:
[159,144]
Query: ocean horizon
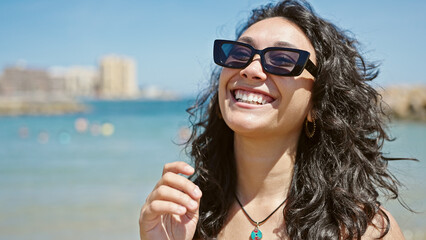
[86,175]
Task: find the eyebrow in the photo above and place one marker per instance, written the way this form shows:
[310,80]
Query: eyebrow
[284,44]
[250,41]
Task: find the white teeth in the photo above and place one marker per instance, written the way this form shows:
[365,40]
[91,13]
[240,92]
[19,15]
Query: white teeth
[242,96]
[255,98]
[250,98]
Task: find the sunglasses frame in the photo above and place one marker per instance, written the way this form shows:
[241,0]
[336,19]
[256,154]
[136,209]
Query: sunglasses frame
[303,62]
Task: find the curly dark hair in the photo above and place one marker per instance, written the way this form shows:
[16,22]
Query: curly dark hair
[339,173]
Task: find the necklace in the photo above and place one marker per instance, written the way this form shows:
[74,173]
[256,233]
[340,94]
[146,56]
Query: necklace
[256,234]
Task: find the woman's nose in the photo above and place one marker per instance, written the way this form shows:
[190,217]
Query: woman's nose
[254,71]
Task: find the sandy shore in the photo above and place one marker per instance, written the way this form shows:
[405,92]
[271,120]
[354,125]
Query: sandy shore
[406,102]
[17,107]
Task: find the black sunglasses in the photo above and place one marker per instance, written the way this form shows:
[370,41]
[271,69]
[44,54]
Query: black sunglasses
[275,60]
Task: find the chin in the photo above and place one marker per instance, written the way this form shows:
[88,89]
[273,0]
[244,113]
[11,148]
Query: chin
[245,124]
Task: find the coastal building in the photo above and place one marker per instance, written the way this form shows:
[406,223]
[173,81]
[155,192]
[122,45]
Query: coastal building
[1,83]
[81,81]
[117,77]
[153,92]
[19,81]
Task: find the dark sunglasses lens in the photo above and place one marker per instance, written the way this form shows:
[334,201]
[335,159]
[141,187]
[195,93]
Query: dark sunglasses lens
[280,62]
[234,55]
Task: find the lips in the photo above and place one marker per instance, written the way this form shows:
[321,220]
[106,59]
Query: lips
[250,97]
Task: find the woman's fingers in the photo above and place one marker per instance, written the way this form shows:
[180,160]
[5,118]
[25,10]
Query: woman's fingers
[180,183]
[174,194]
[166,193]
[171,178]
[178,167]
[160,207]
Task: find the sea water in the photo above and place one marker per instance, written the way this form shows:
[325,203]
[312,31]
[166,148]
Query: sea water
[85,176]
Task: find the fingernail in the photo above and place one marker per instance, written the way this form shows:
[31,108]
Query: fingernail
[197,192]
[188,168]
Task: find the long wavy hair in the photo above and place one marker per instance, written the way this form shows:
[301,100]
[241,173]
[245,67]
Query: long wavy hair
[339,173]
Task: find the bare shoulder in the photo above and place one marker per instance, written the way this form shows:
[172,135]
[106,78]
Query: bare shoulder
[375,230]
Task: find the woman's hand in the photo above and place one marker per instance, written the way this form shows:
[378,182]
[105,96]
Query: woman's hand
[171,209]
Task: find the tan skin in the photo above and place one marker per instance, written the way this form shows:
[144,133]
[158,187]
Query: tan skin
[265,145]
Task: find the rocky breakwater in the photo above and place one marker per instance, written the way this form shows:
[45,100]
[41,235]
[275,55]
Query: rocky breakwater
[23,106]
[406,102]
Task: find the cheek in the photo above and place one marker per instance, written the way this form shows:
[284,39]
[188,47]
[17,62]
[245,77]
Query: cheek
[224,80]
[222,93]
[299,87]
[296,98]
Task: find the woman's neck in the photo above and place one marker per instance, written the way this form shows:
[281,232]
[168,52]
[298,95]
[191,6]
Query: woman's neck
[265,167]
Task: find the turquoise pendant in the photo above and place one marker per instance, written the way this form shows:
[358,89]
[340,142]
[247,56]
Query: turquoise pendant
[256,234]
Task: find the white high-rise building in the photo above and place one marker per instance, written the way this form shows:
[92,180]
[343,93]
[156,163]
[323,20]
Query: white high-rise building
[117,77]
[81,81]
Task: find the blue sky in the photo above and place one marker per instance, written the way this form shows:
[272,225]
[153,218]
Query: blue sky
[171,41]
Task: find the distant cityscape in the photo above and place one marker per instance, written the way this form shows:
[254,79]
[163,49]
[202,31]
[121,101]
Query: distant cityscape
[114,78]
[59,90]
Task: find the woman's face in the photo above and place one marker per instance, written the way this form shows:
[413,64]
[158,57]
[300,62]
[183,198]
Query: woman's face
[287,98]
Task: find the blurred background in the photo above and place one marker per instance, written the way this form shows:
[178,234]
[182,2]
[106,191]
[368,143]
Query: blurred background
[93,97]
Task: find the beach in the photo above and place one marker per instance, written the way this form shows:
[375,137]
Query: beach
[86,175]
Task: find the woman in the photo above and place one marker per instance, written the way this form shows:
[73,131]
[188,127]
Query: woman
[286,141]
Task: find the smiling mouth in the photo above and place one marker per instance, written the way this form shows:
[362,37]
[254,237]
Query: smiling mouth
[251,97]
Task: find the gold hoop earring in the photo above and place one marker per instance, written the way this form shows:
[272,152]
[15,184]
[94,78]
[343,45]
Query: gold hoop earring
[310,134]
